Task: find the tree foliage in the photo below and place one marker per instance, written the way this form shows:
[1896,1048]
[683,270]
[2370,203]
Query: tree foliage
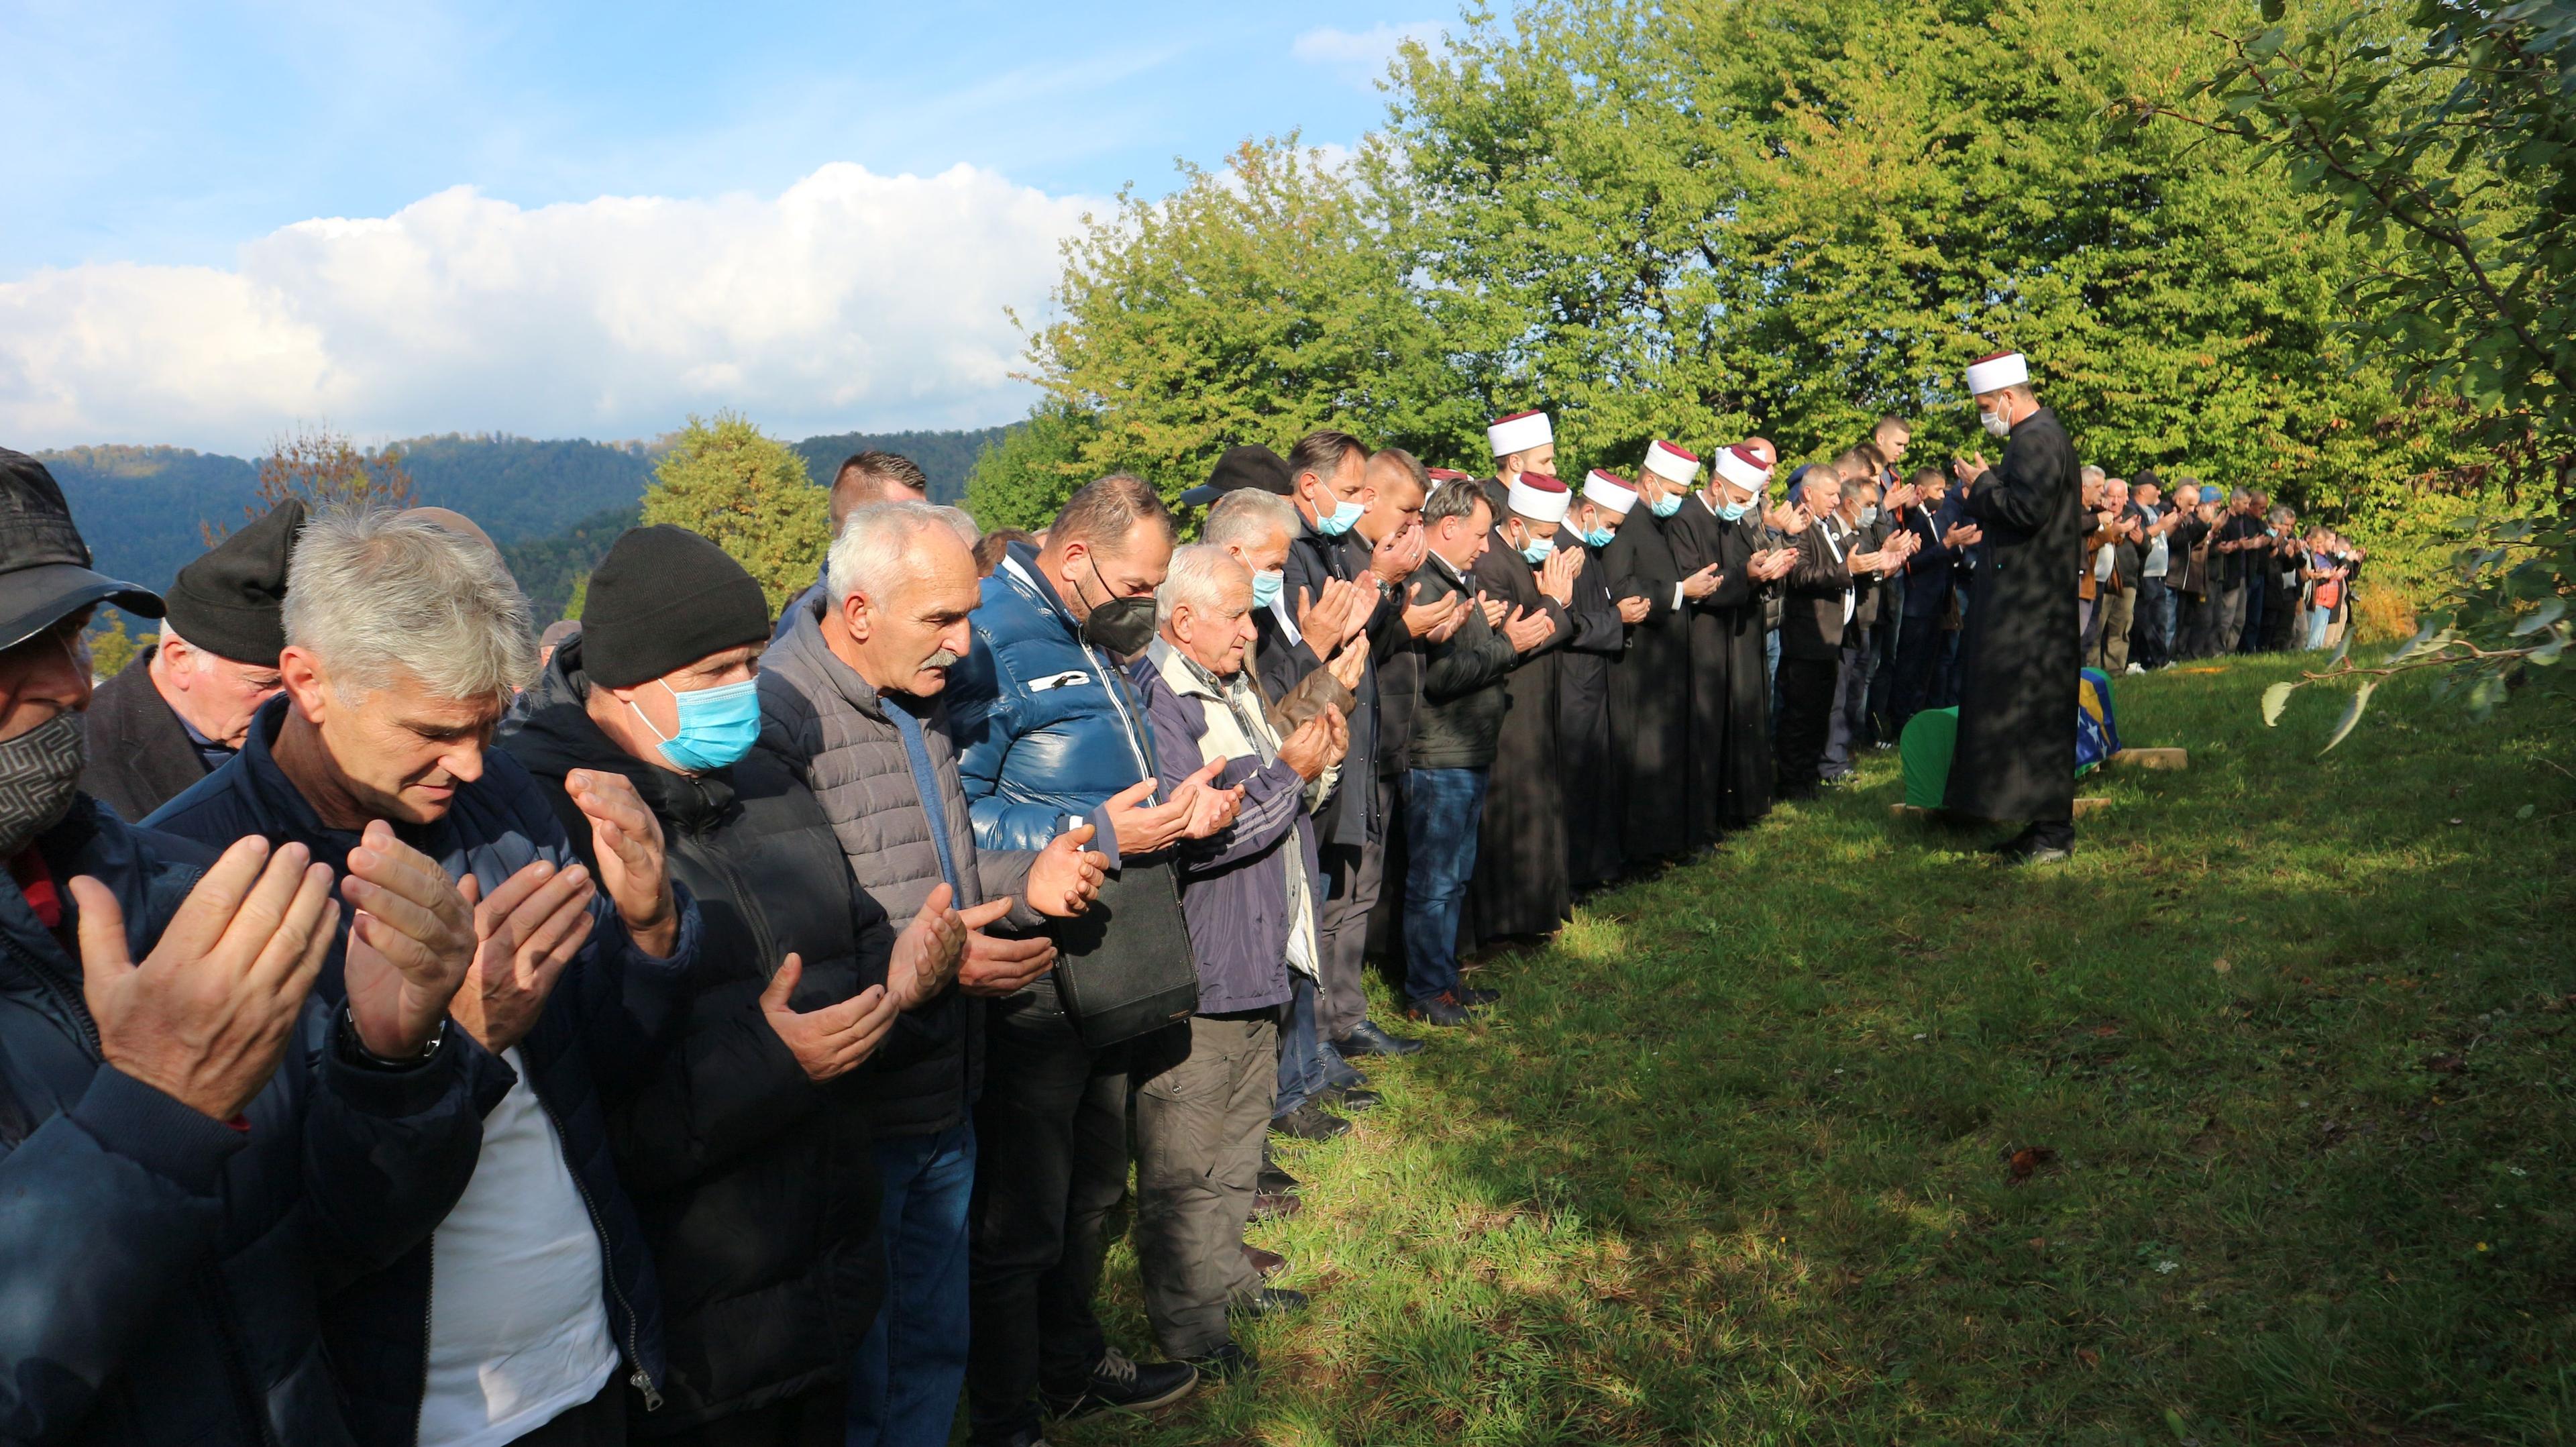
[324,469]
[1251,305]
[111,647]
[750,494]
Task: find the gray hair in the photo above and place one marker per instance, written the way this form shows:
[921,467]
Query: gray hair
[875,542]
[1197,572]
[2282,515]
[1245,517]
[378,595]
[963,521]
[2096,475]
[2239,495]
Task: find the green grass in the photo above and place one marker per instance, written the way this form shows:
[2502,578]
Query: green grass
[1732,1162]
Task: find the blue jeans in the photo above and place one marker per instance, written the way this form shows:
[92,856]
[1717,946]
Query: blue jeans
[1442,808]
[2318,618]
[1301,1063]
[905,1380]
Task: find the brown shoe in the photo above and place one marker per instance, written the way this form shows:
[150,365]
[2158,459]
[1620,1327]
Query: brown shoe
[1275,1208]
[1265,1264]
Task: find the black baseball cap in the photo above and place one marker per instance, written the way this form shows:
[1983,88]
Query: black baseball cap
[1252,465]
[45,572]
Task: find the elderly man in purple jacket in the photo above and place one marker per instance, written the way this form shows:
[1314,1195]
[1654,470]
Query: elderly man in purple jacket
[1249,895]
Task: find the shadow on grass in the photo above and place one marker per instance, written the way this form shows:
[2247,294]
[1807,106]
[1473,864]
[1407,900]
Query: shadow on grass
[2254,1114]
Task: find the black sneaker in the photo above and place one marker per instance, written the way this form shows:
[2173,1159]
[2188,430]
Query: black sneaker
[1310,1122]
[1274,1181]
[1474,998]
[1228,1363]
[1353,1100]
[1121,1383]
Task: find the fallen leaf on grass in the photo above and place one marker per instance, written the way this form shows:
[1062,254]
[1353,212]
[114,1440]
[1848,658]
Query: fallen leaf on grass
[2027,1160]
[2221,965]
[2089,1357]
[2446,1064]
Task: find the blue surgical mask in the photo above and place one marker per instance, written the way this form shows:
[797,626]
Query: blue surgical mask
[1734,511]
[1868,515]
[1667,505]
[1339,520]
[1597,538]
[717,726]
[1536,550]
[1265,587]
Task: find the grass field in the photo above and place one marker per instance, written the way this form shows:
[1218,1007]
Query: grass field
[2251,1124]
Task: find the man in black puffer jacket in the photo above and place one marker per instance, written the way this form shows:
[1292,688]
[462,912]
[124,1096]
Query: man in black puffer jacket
[746,1144]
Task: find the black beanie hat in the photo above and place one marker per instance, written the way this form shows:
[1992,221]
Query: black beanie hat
[231,602]
[1252,465]
[662,599]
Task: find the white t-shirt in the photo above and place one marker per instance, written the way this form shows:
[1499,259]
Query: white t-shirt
[517,1332]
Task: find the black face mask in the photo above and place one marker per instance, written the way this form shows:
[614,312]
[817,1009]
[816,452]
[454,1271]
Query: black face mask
[1121,626]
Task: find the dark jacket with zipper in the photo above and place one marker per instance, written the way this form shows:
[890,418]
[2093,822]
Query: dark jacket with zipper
[165,1270]
[757,1186]
[1460,717]
[610,1008]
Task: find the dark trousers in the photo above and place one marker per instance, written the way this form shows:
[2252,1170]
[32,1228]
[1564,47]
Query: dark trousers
[903,1384]
[599,1422]
[1888,638]
[1918,663]
[2249,636]
[1353,875]
[2192,613]
[1302,1069]
[1442,810]
[812,1418]
[2151,633]
[2227,620]
[1199,1129]
[1843,733]
[1053,1127]
[1806,718]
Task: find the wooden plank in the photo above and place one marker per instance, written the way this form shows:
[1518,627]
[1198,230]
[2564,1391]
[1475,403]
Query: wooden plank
[2152,758]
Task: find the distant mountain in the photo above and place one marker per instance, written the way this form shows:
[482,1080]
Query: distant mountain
[552,505]
[945,457]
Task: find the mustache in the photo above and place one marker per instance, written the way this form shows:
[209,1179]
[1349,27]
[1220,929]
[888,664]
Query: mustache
[942,659]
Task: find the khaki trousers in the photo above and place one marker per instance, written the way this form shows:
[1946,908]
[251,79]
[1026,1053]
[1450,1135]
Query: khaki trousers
[1199,1129]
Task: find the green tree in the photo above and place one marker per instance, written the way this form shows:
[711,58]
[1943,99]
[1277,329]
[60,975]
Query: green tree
[1251,305]
[750,494]
[111,647]
[2447,135]
[1023,476]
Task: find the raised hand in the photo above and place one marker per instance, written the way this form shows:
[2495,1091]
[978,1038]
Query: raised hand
[1328,621]
[1556,575]
[1139,828]
[1529,629]
[1901,497]
[627,841]
[1702,583]
[1065,876]
[997,967]
[927,953]
[411,942]
[1400,552]
[1422,619]
[1634,609]
[835,1039]
[526,933]
[209,1013]
[1211,808]
[1350,664]
[1496,610]
[1308,749]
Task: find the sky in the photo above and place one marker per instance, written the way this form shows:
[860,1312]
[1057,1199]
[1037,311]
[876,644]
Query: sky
[227,219]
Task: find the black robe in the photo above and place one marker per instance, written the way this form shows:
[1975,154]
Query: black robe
[2019,652]
[1700,539]
[1587,765]
[1650,692]
[1519,887]
[1743,747]
[140,756]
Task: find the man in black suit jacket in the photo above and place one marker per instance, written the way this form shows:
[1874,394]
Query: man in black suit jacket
[1823,599]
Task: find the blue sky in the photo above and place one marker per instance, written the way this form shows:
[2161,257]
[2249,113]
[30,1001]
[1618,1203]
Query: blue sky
[169,163]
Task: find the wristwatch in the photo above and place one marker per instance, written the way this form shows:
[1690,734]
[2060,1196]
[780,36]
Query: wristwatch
[356,1045]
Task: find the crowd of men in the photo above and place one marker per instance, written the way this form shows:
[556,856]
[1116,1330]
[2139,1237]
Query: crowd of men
[695,1025]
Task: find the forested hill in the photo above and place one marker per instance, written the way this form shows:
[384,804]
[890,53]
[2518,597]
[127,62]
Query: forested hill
[143,508]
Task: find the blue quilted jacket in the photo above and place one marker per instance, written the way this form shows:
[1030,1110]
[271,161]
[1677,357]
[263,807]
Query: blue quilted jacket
[1047,726]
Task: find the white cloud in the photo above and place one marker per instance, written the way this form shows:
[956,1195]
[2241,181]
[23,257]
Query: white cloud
[849,300]
[1360,57]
